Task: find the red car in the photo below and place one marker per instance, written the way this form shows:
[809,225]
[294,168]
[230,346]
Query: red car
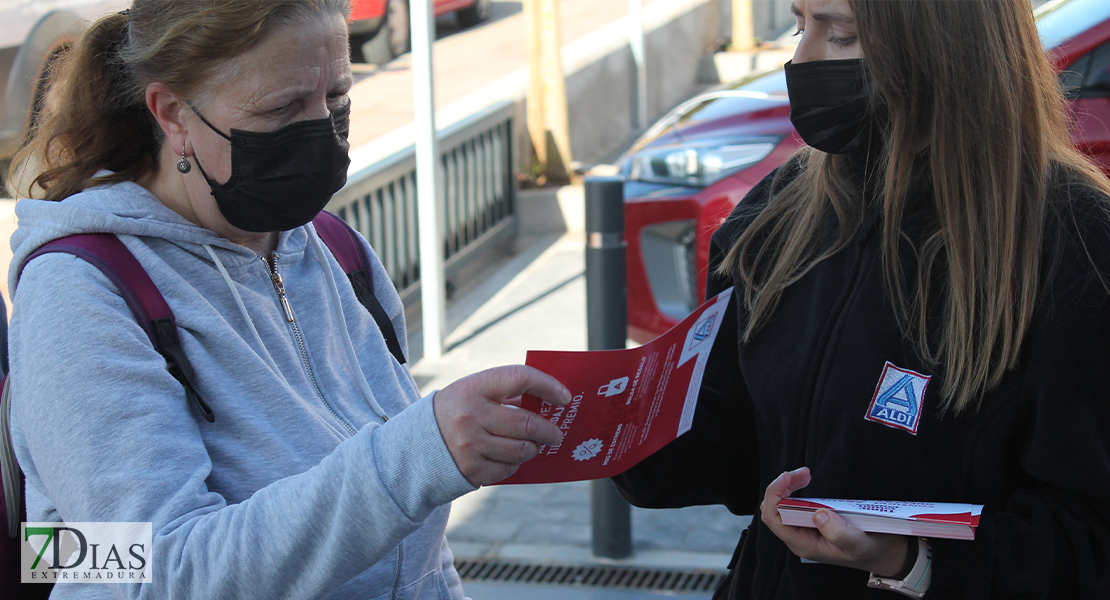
[685,175]
[380,28]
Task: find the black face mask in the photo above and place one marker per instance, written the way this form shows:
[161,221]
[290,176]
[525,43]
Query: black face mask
[829,104]
[282,179]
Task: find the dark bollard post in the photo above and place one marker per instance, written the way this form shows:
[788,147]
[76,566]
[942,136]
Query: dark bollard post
[607,329]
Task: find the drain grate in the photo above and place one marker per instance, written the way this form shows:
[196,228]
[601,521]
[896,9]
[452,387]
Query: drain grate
[633,578]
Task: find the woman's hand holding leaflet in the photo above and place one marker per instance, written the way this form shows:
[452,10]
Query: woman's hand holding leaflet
[834,542]
[487,433]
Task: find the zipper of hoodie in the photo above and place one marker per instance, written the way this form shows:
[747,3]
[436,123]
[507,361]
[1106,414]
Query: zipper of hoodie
[279,287]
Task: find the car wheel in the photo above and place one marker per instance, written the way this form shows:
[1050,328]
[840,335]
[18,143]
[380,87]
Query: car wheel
[38,102]
[475,13]
[42,86]
[393,39]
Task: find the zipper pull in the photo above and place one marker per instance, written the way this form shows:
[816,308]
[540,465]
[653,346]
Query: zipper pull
[279,286]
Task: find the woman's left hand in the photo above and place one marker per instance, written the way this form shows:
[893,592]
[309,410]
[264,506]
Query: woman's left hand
[834,542]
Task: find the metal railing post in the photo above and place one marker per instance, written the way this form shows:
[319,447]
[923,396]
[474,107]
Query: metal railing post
[433,295]
[607,329]
[380,198]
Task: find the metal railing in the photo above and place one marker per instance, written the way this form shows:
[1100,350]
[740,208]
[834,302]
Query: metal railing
[477,202]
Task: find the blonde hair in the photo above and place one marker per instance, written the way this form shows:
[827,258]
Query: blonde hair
[95,115]
[969,82]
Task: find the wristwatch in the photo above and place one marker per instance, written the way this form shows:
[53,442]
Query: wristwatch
[915,582]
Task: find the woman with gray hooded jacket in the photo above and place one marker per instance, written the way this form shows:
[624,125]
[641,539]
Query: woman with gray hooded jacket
[207,135]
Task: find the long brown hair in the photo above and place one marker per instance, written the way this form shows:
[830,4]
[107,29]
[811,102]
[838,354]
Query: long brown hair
[967,91]
[95,116]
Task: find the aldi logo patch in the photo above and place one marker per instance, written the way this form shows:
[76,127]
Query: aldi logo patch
[898,398]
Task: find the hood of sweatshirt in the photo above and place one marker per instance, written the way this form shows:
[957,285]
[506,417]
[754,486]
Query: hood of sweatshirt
[123,209]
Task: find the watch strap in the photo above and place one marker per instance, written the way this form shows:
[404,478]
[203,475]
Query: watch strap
[916,582]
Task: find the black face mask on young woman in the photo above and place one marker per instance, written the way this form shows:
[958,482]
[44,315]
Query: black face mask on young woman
[829,103]
[282,179]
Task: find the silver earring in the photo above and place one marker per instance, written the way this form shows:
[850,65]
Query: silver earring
[183,165]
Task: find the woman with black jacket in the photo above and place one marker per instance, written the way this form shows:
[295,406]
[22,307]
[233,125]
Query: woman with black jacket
[922,313]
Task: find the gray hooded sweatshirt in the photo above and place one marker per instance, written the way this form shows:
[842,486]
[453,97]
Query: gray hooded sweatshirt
[324,474]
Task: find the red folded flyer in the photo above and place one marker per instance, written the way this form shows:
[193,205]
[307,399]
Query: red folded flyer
[923,519]
[627,403]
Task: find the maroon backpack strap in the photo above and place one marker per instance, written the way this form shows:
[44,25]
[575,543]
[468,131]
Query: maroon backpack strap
[346,246]
[107,253]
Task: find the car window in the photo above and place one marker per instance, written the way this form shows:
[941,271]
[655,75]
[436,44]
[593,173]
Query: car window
[729,104]
[1088,76]
[1098,73]
[772,83]
[1061,20]
[1071,78]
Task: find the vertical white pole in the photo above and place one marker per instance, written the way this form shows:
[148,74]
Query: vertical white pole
[636,41]
[433,294]
[743,31]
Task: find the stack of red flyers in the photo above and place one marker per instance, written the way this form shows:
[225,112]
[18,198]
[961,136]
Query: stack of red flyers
[922,519]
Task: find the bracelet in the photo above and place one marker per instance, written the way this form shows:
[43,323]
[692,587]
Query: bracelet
[916,582]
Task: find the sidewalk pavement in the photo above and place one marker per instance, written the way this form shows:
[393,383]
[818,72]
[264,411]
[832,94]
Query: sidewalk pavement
[465,61]
[536,301]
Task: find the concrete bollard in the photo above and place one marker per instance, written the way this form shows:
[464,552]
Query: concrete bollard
[607,329]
